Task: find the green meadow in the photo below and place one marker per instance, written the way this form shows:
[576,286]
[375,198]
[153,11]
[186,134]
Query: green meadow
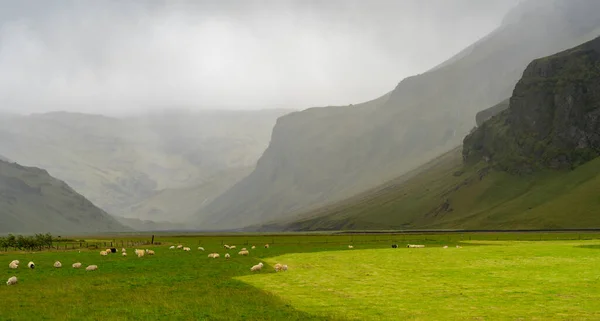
[492,276]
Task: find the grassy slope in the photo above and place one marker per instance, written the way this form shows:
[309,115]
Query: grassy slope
[548,199]
[33,201]
[503,281]
[323,155]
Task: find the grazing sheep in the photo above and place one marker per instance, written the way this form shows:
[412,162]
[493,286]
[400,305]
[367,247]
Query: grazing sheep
[214,255]
[31,265]
[257,267]
[243,249]
[14,264]
[227,255]
[57,264]
[139,253]
[415,245]
[113,250]
[284,267]
[394,246]
[76,265]
[232,247]
[123,250]
[12,280]
[200,248]
[103,253]
[91,268]
[458,246]
[226,246]
[244,253]
[124,253]
[217,255]
[187,249]
[108,251]
[253,247]
[179,246]
[278,267]
[350,246]
[171,247]
[445,246]
[150,252]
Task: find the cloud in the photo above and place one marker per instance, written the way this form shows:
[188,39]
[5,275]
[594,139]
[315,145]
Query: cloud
[113,56]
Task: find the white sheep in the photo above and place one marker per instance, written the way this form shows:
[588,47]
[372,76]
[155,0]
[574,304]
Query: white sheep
[266,246]
[257,267]
[139,253]
[226,246]
[253,247]
[171,247]
[123,250]
[187,249]
[214,255]
[458,246]
[350,246]
[243,249]
[245,253]
[31,265]
[76,265]
[103,253]
[150,252]
[124,253]
[57,264]
[91,268]
[12,280]
[179,246]
[217,255]
[415,246]
[232,247]
[284,267]
[200,248]
[14,264]
[445,246]
[227,255]
[278,267]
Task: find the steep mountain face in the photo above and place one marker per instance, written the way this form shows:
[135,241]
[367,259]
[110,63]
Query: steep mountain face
[33,201]
[554,116]
[488,113]
[125,165]
[533,165]
[323,155]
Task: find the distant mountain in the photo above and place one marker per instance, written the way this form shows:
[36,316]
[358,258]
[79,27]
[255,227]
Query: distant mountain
[323,155]
[127,165]
[534,165]
[33,201]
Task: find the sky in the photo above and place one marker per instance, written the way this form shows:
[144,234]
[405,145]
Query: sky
[126,56]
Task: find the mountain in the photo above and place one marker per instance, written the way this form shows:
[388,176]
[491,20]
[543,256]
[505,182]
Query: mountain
[534,165]
[33,201]
[322,155]
[127,165]
[4,159]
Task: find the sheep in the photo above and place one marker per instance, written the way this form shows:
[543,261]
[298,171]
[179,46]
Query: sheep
[76,265]
[243,249]
[108,251]
[31,265]
[171,247]
[232,247]
[244,253]
[213,255]
[91,268]
[150,252]
[266,246]
[226,246]
[123,250]
[124,254]
[394,246]
[200,248]
[284,267]
[57,264]
[227,255]
[253,247]
[257,267]
[113,250]
[12,280]
[217,255]
[415,246]
[139,253]
[14,264]
[458,246]
[445,246]
[350,246]
[179,246]
[278,267]
[187,249]
[103,253]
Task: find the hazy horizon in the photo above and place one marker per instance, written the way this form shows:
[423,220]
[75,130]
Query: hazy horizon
[114,57]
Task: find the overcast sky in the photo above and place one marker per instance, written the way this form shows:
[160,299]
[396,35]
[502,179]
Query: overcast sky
[110,56]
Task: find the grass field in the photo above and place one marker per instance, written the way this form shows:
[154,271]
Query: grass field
[484,280]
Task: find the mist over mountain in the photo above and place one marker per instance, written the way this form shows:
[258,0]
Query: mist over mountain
[322,155]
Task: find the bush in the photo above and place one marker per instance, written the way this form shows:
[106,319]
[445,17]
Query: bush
[31,242]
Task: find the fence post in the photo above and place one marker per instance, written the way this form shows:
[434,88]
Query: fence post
[152,239]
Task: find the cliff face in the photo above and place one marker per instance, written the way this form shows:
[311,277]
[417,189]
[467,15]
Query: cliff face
[553,119]
[322,155]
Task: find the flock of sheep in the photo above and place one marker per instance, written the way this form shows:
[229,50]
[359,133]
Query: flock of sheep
[140,253]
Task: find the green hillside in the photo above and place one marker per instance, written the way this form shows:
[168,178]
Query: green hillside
[33,201]
[127,165]
[323,155]
[534,165]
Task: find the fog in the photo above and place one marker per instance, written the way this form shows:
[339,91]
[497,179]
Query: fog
[126,56]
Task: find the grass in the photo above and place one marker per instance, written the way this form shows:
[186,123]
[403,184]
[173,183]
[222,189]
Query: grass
[326,280]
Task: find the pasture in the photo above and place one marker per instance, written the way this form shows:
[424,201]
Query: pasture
[527,276]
